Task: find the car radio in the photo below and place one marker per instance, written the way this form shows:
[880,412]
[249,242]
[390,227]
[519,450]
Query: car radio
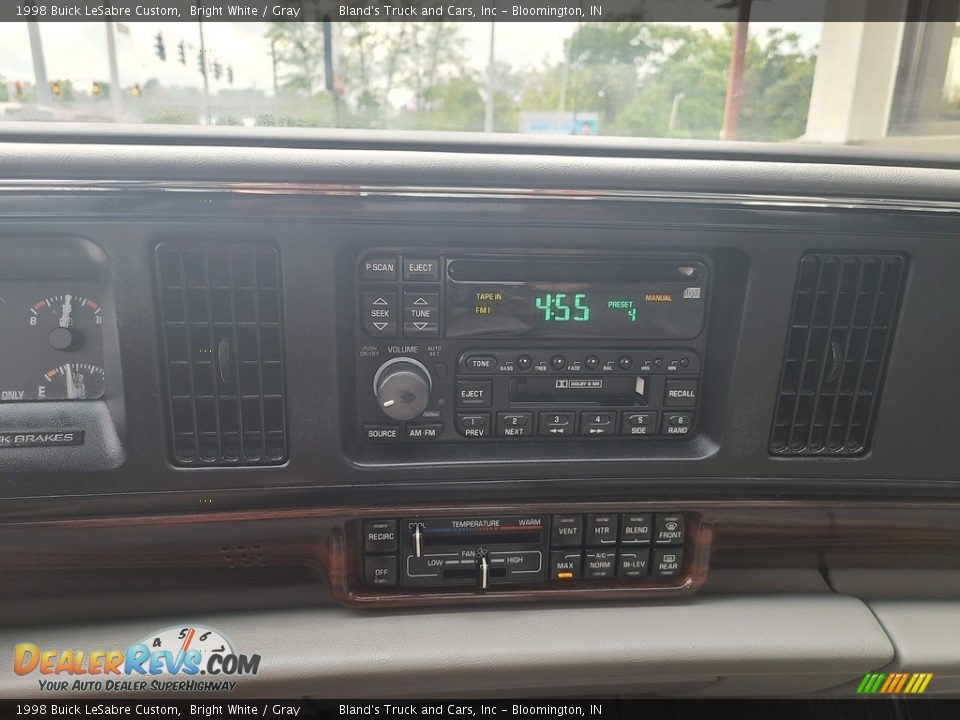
[506,347]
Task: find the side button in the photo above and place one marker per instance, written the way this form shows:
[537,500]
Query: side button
[638,424]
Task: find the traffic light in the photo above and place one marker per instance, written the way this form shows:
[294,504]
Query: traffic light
[136,91]
[56,88]
[183,52]
[97,90]
[230,74]
[18,89]
[159,48]
[217,69]
[201,65]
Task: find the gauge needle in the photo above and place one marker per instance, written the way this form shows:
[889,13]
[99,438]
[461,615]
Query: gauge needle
[71,389]
[67,309]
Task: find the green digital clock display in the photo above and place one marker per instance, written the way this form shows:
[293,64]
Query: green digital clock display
[563,307]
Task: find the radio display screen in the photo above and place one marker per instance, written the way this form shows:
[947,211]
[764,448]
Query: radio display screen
[662,303]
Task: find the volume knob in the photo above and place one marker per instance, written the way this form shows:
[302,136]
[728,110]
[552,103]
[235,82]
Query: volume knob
[402,387]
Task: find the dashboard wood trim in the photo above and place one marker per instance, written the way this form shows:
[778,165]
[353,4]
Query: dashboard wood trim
[191,549]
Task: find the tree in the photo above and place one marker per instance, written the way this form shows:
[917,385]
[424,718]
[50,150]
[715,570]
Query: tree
[435,50]
[299,48]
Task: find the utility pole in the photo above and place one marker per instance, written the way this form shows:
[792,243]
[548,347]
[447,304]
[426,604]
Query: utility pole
[673,112]
[41,91]
[206,82]
[329,78]
[116,101]
[273,57]
[491,85]
[731,104]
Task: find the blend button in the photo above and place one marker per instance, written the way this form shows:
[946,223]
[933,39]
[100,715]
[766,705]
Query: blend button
[635,528]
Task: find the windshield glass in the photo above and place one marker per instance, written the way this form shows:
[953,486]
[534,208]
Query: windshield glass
[870,83]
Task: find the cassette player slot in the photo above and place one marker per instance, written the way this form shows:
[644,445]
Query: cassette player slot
[616,390]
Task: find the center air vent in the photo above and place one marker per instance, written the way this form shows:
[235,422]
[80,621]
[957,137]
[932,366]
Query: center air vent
[841,328]
[222,331]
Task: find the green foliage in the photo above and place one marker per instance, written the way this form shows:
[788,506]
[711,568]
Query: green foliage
[644,79]
[173,116]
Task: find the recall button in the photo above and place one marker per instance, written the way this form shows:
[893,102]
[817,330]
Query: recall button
[681,394]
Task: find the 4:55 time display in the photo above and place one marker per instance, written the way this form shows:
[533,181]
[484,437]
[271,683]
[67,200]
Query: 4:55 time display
[563,307]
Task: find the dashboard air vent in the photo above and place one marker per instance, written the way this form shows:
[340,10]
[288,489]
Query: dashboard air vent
[222,332]
[841,327]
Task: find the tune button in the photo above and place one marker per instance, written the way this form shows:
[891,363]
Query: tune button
[625,362]
[591,362]
[524,362]
[558,362]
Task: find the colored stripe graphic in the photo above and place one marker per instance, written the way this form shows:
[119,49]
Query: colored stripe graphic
[894,683]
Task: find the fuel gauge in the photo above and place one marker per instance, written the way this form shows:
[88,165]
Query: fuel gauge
[72,381]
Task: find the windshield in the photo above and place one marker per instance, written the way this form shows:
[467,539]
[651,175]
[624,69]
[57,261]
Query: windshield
[868,83]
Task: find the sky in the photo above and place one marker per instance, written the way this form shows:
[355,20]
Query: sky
[78,51]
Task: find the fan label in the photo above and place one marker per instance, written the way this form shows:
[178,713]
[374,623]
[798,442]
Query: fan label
[41,438]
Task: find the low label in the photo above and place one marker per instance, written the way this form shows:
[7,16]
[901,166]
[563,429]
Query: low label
[40,438]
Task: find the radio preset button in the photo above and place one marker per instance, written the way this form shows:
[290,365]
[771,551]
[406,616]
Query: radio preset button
[379,313]
[380,536]
[667,562]
[514,424]
[473,393]
[558,362]
[421,269]
[380,571]
[602,529]
[565,565]
[680,394]
[633,563]
[567,530]
[557,423]
[638,423]
[599,564]
[481,363]
[473,425]
[598,423]
[671,529]
[379,268]
[677,423]
[635,529]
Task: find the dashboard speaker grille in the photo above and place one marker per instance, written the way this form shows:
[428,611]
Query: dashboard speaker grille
[841,327]
[221,316]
